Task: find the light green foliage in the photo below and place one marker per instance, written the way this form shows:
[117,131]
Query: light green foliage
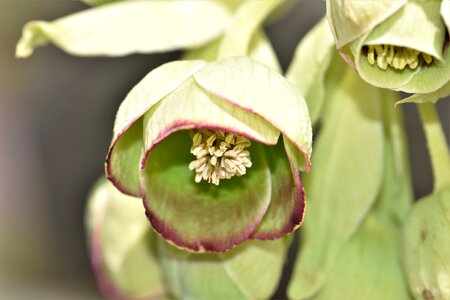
[129,27]
[344,182]
[251,271]
[426,250]
[309,65]
[100,2]
[122,245]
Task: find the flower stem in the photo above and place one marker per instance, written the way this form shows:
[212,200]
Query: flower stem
[246,21]
[437,145]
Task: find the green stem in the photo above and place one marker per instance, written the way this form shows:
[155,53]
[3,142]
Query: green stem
[247,20]
[437,145]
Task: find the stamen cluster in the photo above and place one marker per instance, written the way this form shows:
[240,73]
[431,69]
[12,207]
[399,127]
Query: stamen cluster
[219,155]
[396,57]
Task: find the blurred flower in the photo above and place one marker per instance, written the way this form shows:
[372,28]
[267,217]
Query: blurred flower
[198,142]
[400,45]
[126,27]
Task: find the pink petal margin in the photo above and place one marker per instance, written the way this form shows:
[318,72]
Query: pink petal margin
[296,218]
[107,288]
[161,228]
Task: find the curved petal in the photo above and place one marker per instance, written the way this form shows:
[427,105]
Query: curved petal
[350,19]
[127,27]
[310,64]
[432,97]
[250,271]
[200,216]
[126,146]
[190,107]
[123,246]
[425,250]
[287,207]
[256,88]
[445,13]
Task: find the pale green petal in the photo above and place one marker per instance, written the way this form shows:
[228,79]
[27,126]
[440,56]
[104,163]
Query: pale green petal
[122,244]
[309,65]
[350,19]
[368,266]
[417,25]
[445,12]
[191,107]
[426,250]
[260,49]
[126,146]
[247,19]
[258,89]
[344,183]
[129,27]
[250,271]
[432,97]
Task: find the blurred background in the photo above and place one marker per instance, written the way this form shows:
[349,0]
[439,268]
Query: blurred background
[56,118]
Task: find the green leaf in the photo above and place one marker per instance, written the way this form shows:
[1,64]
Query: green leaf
[200,216]
[250,271]
[344,183]
[129,27]
[264,92]
[425,248]
[287,207]
[123,246]
[248,18]
[368,266]
[432,97]
[309,65]
[351,19]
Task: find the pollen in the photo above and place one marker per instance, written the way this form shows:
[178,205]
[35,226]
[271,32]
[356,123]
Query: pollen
[385,56]
[219,155]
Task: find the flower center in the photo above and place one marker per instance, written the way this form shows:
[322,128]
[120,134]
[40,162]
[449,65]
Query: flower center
[219,155]
[396,57]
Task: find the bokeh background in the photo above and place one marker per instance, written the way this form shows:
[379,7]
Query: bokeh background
[56,117]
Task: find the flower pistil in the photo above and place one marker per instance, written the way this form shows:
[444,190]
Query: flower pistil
[219,155]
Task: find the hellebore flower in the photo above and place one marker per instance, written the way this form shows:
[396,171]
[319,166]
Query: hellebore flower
[400,45]
[131,262]
[198,142]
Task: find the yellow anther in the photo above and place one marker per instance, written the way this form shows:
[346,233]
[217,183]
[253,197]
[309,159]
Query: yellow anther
[371,55]
[428,58]
[219,156]
[395,57]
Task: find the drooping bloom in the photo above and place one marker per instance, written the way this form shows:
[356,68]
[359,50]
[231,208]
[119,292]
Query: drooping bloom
[199,143]
[400,45]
